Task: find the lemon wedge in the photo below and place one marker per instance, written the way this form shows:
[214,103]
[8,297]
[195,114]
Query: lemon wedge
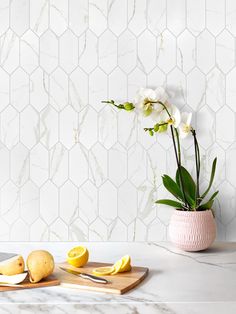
[117,267]
[78,256]
[126,264]
[103,271]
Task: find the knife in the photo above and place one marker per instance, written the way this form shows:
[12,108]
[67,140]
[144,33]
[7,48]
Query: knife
[5,256]
[85,276]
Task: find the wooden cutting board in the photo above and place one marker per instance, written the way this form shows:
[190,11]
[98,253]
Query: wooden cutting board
[118,284]
[26,284]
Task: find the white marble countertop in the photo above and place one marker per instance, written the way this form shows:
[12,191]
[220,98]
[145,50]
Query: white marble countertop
[178,282]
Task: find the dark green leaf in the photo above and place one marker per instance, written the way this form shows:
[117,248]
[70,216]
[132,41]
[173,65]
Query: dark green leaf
[189,185]
[170,203]
[172,187]
[213,169]
[205,206]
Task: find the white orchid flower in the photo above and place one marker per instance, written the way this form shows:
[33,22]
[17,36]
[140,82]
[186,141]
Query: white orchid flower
[185,124]
[146,100]
[174,116]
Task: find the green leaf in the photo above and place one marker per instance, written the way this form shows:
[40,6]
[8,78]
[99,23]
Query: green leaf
[208,204]
[172,187]
[170,203]
[213,170]
[189,185]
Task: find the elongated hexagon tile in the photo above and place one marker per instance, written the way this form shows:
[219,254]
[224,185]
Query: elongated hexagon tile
[231,16]
[196,15]
[206,126]
[117,85]
[78,16]
[19,164]
[19,231]
[88,51]
[68,124]
[39,231]
[49,202]
[4,89]
[205,41]
[9,58]
[39,164]
[215,16]
[78,89]
[137,165]
[58,231]
[69,202]
[39,89]
[136,16]
[19,16]
[98,164]
[68,51]
[4,164]
[144,138]
[117,16]
[78,164]
[156,78]
[196,92]
[87,121]
[39,16]
[107,51]
[98,231]
[226,200]
[48,127]
[97,89]
[9,127]
[29,202]
[136,79]
[117,231]
[146,202]
[176,16]
[225,57]
[58,16]
[147,51]
[88,202]
[230,161]
[215,89]
[127,202]
[156,231]
[231,89]
[19,89]
[156,16]
[107,124]
[4,16]
[98,16]
[78,231]
[176,86]
[156,163]
[137,231]
[127,51]
[225,136]
[58,164]
[58,91]
[166,51]
[230,231]
[48,51]
[29,127]
[127,128]
[215,151]
[186,51]
[29,51]
[117,164]
[10,202]
[4,231]
[107,203]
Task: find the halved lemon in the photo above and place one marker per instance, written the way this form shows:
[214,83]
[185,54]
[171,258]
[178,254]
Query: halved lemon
[126,264]
[117,267]
[103,271]
[78,256]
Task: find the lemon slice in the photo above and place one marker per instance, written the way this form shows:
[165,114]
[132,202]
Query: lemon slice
[126,264]
[117,267]
[103,271]
[78,256]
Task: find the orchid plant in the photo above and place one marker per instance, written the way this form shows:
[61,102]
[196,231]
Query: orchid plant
[166,116]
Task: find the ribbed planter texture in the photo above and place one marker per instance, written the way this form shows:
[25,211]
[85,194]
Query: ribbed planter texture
[192,230]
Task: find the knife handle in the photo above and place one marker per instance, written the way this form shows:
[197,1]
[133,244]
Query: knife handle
[93,278]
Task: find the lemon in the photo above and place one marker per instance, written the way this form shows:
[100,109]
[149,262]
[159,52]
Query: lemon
[126,264]
[117,267]
[78,256]
[103,271]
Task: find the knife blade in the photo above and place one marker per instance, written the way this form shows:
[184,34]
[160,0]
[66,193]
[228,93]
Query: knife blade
[85,276]
[5,256]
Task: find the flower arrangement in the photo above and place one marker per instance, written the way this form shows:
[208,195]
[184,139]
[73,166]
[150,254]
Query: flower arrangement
[166,116]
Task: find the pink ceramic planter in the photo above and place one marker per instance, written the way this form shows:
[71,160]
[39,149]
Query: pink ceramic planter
[192,230]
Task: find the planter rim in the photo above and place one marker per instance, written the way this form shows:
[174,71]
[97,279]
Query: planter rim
[192,212]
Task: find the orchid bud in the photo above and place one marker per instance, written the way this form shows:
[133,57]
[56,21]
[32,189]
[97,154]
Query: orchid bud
[151,132]
[156,127]
[162,128]
[128,106]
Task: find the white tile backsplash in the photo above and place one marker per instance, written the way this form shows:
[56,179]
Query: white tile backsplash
[72,168]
